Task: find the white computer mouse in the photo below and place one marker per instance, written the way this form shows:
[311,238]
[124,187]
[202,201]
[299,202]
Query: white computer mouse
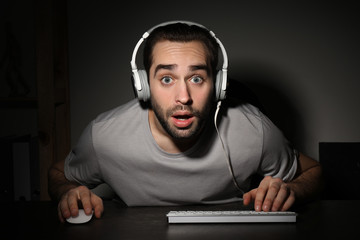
[81,218]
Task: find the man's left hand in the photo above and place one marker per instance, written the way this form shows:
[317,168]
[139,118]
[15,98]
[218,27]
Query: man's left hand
[273,194]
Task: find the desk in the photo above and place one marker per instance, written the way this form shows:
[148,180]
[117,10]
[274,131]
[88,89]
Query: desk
[317,220]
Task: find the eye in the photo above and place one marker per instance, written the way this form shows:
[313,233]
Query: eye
[166,80]
[196,79]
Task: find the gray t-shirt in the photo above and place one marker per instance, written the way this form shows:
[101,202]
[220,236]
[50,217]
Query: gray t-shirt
[118,148]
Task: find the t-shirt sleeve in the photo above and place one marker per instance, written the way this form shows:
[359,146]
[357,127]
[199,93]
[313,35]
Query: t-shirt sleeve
[279,158]
[81,164]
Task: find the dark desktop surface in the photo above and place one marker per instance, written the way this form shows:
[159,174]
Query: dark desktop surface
[331,219]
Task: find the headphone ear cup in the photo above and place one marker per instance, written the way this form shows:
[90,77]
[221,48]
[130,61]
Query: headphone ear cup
[144,93]
[218,85]
[220,94]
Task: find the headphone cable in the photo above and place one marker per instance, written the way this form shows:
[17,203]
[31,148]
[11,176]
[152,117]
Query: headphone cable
[225,152]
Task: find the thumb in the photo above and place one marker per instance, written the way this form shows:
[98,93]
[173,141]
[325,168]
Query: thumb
[249,197]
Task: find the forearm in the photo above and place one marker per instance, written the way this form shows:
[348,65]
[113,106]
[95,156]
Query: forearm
[58,184]
[308,183]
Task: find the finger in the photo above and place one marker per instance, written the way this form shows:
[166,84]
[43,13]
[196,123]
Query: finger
[85,198]
[246,198]
[261,193]
[63,208]
[289,202]
[271,195]
[249,197]
[60,214]
[281,197]
[97,204]
[72,201]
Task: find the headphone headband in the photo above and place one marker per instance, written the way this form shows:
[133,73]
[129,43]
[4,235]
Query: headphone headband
[141,86]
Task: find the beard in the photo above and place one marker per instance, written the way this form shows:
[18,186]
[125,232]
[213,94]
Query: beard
[190,131]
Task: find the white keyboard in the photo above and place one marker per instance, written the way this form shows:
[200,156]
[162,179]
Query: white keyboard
[230,216]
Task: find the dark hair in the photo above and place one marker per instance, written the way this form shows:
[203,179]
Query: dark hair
[182,32]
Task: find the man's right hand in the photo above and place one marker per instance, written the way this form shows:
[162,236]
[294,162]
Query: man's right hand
[79,197]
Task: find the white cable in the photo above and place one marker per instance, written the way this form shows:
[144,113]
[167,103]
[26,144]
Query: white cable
[225,152]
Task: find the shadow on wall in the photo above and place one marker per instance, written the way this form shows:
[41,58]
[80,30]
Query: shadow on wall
[258,88]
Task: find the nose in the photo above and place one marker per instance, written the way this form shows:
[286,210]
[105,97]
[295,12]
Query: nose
[183,95]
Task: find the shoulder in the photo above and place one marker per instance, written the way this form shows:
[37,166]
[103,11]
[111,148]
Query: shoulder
[234,108]
[118,123]
[107,121]
[249,116]
[254,118]
[126,110]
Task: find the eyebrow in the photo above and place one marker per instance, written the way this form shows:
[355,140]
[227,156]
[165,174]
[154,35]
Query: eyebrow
[172,66]
[164,66]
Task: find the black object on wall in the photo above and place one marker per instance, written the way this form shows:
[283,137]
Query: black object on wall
[341,169]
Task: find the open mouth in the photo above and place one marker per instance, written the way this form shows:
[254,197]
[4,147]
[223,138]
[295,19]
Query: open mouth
[183,120]
[182,117]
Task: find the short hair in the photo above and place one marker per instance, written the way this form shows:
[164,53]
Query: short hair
[182,32]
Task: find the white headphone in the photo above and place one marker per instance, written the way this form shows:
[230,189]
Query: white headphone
[139,76]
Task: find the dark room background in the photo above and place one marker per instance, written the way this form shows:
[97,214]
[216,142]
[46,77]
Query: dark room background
[300,58]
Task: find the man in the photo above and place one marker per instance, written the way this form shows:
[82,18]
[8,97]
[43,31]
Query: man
[164,149]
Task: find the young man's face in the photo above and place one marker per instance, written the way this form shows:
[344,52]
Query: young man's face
[181,88]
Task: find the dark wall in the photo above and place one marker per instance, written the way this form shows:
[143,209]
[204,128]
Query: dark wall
[299,57]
